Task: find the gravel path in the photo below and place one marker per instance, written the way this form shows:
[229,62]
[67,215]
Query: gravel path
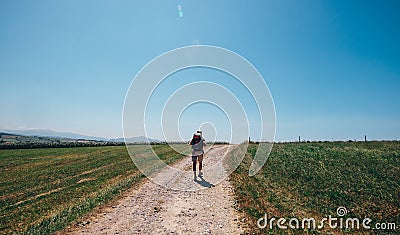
[204,208]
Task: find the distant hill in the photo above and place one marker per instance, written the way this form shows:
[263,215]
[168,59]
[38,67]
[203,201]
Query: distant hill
[70,135]
[53,134]
[139,139]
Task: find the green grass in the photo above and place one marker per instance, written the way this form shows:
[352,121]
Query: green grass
[44,190]
[305,180]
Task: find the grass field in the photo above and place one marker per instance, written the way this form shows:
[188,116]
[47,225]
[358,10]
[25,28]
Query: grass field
[44,190]
[303,180]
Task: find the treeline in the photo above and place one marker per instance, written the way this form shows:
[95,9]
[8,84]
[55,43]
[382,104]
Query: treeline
[70,144]
[73,144]
[180,142]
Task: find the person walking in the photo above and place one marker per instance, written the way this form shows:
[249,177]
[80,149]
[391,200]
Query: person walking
[197,143]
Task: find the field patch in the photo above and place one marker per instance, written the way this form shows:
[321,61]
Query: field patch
[303,180]
[44,190]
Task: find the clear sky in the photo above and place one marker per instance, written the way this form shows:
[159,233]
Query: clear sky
[333,67]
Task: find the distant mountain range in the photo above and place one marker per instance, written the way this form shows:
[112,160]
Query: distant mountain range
[70,135]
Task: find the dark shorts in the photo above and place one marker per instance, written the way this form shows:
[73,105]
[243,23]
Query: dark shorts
[197,158]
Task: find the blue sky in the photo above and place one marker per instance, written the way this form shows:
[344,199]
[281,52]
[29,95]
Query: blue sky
[333,67]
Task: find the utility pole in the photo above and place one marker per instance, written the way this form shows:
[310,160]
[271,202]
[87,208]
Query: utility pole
[299,139]
[249,139]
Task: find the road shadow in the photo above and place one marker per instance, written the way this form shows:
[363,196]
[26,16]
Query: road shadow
[203,182]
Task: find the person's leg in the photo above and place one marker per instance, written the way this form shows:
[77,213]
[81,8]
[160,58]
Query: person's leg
[200,158]
[194,160]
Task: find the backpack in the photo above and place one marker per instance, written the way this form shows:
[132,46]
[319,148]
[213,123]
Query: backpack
[196,139]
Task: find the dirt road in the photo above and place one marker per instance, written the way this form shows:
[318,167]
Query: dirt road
[204,208]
